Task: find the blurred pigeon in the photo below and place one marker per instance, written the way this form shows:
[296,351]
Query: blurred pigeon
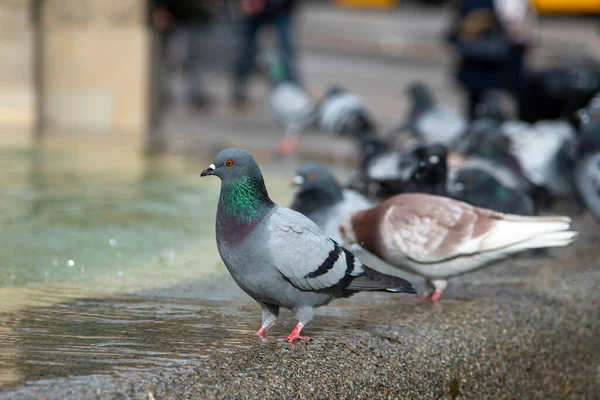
[344,113]
[429,121]
[481,189]
[439,238]
[540,149]
[491,151]
[292,107]
[475,182]
[321,198]
[278,256]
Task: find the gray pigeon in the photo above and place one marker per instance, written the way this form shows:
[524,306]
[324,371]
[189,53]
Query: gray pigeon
[429,121]
[320,198]
[278,256]
[292,107]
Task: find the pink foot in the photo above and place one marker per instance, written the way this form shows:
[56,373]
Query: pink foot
[262,333]
[295,335]
[287,146]
[435,295]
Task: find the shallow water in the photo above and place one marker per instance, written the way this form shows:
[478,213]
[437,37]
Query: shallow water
[82,228]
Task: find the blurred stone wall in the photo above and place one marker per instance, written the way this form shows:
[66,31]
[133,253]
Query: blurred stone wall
[16,63]
[96,57]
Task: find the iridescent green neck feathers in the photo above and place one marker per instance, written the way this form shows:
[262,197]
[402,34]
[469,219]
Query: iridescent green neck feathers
[244,199]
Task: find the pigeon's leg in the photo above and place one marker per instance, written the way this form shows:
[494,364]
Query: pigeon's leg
[269,316]
[436,288]
[304,315]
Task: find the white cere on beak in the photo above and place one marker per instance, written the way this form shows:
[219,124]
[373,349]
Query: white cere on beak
[212,166]
[434,159]
[298,180]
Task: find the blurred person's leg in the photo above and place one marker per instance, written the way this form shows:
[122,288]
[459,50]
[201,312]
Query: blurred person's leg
[474,97]
[520,78]
[247,49]
[283,22]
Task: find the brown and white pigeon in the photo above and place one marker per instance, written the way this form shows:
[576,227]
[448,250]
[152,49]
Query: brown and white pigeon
[439,238]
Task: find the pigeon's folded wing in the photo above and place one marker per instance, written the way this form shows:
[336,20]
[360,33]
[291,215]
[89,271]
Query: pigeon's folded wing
[430,229]
[305,256]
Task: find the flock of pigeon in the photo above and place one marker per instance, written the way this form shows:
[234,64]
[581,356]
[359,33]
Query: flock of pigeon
[492,162]
[458,197]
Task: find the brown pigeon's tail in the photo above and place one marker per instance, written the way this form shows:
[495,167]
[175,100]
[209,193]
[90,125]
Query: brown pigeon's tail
[374,281]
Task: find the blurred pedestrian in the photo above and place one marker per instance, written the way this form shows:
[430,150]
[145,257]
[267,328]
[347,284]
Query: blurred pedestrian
[492,38]
[182,23]
[256,15]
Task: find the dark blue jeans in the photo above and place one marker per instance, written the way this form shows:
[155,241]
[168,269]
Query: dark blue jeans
[248,44]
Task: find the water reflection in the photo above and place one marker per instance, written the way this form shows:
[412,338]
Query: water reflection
[87,336]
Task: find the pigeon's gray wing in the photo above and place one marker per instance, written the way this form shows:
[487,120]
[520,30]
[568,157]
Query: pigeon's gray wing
[305,256]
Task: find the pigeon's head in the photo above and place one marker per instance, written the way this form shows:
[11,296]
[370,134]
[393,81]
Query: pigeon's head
[431,170]
[316,177]
[346,229]
[232,164]
[421,96]
[334,90]
[475,182]
[371,145]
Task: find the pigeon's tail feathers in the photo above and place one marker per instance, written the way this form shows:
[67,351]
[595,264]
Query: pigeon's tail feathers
[374,281]
[515,233]
[554,239]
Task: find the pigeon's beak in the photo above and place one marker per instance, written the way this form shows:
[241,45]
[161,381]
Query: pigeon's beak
[298,181]
[209,171]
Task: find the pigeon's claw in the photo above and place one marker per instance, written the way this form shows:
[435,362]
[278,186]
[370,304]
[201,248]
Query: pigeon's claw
[295,335]
[435,295]
[262,333]
[432,297]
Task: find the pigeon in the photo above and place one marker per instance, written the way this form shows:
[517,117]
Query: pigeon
[292,107]
[320,198]
[438,238]
[491,151]
[344,113]
[475,182]
[540,149]
[278,256]
[430,122]
[383,171]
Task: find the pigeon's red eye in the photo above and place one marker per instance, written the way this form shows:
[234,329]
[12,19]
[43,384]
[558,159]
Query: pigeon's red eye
[342,230]
[312,176]
[229,163]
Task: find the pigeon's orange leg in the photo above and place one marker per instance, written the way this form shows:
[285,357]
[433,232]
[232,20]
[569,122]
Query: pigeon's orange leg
[436,289]
[262,332]
[435,295]
[295,335]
